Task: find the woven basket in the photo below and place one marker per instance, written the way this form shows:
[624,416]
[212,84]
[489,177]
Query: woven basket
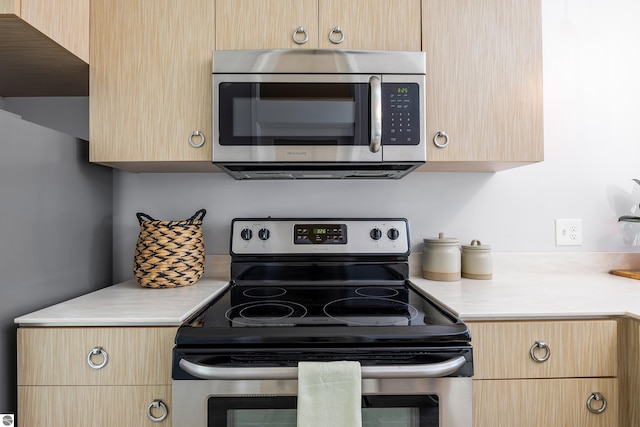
[169,254]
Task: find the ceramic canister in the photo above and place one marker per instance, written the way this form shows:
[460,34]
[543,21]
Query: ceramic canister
[441,259]
[476,261]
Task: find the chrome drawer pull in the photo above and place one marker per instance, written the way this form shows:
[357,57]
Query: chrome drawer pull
[199,135]
[339,32]
[438,143]
[300,31]
[541,345]
[94,352]
[600,398]
[435,370]
[157,404]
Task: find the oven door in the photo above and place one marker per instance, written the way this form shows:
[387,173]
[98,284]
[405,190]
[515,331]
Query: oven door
[406,402]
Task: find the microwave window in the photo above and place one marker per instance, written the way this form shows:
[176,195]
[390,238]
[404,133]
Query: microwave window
[292,113]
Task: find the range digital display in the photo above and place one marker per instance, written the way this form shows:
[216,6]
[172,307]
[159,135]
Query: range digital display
[320,234]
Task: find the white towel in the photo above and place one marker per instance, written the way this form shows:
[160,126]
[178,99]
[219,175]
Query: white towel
[329,394]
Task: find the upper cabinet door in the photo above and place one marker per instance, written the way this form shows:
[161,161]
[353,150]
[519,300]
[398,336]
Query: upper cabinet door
[150,87]
[266,24]
[370,24]
[484,83]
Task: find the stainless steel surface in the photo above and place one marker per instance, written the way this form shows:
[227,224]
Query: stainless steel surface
[434,370]
[367,157]
[376,114]
[454,395]
[281,239]
[329,61]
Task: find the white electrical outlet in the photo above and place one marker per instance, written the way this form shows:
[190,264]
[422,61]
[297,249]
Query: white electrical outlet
[568,231]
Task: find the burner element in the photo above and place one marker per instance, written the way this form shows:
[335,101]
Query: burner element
[377,291]
[267,313]
[371,311]
[264,292]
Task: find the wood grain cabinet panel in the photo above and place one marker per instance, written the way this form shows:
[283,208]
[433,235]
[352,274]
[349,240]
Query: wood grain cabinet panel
[58,356]
[365,24]
[501,350]
[513,389]
[484,83]
[83,406]
[549,402]
[265,24]
[370,24]
[150,83]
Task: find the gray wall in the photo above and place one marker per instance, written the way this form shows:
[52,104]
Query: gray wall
[55,229]
[592,150]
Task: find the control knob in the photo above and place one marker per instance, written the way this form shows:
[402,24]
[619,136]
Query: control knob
[393,234]
[246,234]
[375,233]
[264,234]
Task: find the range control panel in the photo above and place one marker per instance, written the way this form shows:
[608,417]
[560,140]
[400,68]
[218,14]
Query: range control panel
[271,236]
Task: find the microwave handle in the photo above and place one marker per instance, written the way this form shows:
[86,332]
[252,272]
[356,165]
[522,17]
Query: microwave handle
[376,114]
[434,370]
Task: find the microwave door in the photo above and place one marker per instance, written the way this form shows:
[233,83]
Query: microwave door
[298,118]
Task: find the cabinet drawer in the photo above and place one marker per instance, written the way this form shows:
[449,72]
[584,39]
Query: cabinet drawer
[59,356]
[551,402]
[575,349]
[95,406]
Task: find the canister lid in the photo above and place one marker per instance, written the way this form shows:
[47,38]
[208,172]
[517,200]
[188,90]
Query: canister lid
[441,239]
[476,245]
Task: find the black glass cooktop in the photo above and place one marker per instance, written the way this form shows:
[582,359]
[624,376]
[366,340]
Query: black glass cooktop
[282,313]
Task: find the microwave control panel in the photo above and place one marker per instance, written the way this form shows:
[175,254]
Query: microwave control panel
[400,114]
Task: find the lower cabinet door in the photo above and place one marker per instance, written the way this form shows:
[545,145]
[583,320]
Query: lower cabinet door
[95,406]
[545,402]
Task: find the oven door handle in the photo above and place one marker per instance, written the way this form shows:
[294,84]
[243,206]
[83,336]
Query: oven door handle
[433,370]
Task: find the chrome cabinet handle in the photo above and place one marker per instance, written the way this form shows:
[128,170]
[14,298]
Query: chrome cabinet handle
[94,352]
[600,398]
[376,114]
[543,346]
[199,135]
[435,370]
[300,31]
[336,30]
[157,404]
[438,143]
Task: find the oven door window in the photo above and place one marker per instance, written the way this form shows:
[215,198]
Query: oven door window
[279,411]
[293,114]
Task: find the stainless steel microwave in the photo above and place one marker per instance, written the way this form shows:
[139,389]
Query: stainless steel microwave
[318,114]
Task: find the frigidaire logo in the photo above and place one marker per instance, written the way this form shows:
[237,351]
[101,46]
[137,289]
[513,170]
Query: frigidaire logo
[297,153]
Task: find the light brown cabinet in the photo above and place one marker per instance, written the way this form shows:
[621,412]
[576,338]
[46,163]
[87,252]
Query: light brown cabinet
[545,373]
[45,48]
[318,24]
[151,84]
[484,84]
[94,376]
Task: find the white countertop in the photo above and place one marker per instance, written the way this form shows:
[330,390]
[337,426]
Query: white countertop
[127,304]
[524,286]
[538,296]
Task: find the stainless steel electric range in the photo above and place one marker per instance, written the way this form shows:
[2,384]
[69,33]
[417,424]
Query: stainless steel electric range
[321,290]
